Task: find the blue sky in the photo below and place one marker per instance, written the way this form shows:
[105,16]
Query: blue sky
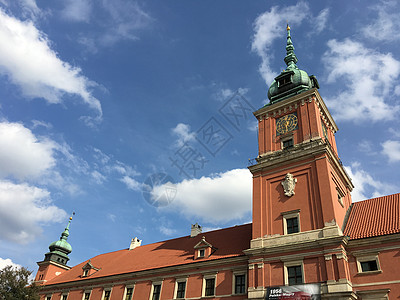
[101,102]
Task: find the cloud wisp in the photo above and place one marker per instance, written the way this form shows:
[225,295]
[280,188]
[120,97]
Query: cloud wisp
[77,10]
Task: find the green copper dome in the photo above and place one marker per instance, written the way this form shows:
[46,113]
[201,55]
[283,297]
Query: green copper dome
[60,249]
[291,81]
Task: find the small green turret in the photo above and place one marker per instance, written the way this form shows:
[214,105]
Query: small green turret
[291,81]
[60,249]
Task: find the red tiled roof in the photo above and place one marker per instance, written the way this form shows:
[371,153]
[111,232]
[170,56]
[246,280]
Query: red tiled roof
[374,217]
[229,242]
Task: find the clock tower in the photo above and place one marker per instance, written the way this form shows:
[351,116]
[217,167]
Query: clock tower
[301,191]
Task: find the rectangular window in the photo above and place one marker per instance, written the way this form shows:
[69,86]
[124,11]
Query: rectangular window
[240,284]
[86,296]
[210,287]
[370,265]
[129,293]
[48,298]
[295,275]
[180,292]
[64,297]
[201,252]
[107,295]
[287,144]
[292,225]
[156,292]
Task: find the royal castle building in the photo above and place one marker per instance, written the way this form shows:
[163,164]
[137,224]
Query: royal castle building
[307,239]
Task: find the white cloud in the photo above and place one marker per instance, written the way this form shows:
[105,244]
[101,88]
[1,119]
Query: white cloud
[100,156]
[37,123]
[72,161]
[271,25]
[216,199]
[394,132]
[98,177]
[367,81]
[126,19]
[77,10]
[182,131]
[386,27]
[22,154]
[321,20]
[23,209]
[226,93]
[392,150]
[29,62]
[366,147]
[167,231]
[8,262]
[30,8]
[365,186]
[131,183]
[112,217]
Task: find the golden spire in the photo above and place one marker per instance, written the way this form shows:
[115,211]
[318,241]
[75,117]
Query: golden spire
[287,27]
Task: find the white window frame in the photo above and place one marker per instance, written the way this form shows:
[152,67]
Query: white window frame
[106,290]
[179,280]
[62,295]
[203,290]
[86,291]
[129,286]
[237,273]
[365,258]
[296,263]
[290,215]
[152,288]
[200,252]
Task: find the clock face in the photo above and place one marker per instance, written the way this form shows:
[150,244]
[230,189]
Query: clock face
[286,123]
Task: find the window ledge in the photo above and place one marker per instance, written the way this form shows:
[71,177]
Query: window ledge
[369,272]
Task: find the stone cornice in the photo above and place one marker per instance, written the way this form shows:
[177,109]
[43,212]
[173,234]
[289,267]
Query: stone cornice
[299,152]
[288,104]
[329,235]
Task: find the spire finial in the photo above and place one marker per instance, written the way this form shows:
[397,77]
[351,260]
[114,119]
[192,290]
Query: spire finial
[290,58]
[65,234]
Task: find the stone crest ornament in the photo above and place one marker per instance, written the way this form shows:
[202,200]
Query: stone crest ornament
[289,184]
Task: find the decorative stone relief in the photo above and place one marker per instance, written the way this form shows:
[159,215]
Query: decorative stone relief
[289,184]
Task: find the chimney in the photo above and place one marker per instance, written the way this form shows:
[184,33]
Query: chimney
[196,229]
[135,243]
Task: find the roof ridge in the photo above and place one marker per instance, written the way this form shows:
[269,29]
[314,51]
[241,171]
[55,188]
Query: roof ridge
[379,197]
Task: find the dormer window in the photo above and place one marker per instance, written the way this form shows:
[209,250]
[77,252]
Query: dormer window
[89,269]
[284,80]
[203,249]
[201,253]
